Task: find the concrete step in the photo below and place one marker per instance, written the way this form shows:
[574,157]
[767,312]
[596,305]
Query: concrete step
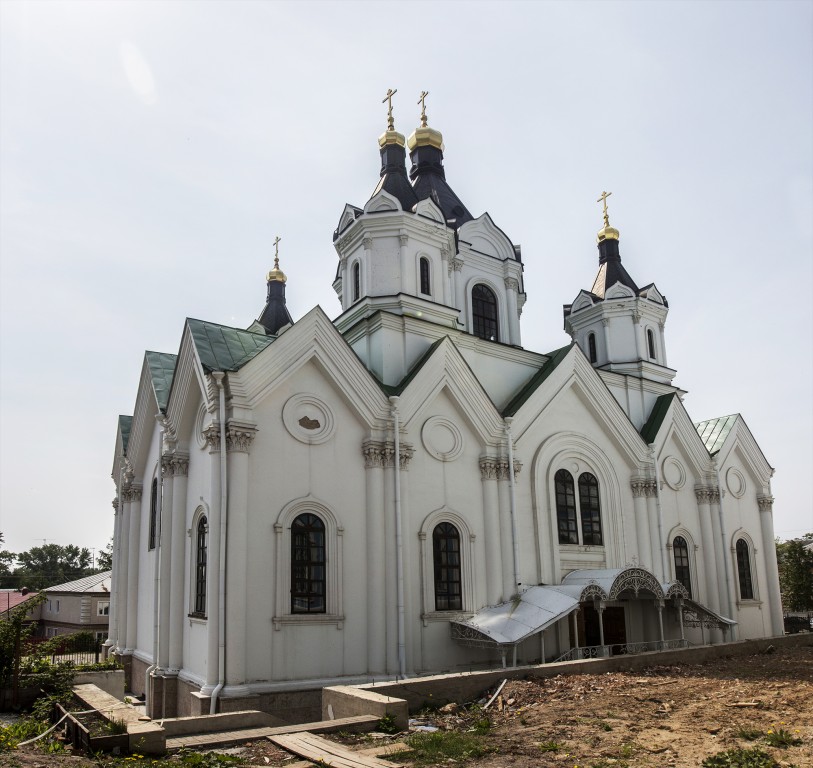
[242,735]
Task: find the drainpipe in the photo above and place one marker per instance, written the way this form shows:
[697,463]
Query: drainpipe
[661,546]
[112,643]
[724,535]
[399,540]
[218,376]
[513,504]
[157,573]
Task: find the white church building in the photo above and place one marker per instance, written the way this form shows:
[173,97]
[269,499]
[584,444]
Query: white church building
[406,490]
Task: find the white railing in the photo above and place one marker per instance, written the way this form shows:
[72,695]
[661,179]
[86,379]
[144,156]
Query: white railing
[599,651]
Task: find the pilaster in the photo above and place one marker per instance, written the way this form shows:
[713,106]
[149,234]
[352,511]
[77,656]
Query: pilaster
[491,527]
[774,598]
[179,469]
[374,459]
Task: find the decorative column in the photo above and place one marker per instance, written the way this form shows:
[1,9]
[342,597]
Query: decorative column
[121,590]
[605,322]
[407,274]
[113,612]
[491,527]
[129,578]
[376,565]
[238,441]
[576,631]
[663,351]
[711,593]
[509,588]
[179,468]
[659,606]
[600,610]
[722,552]
[774,600]
[164,562]
[512,288]
[212,435]
[364,278]
[458,288]
[679,603]
[637,332]
[642,533]
[345,285]
[651,493]
[445,255]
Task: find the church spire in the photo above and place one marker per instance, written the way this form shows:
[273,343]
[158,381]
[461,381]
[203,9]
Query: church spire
[394,179]
[275,315]
[609,257]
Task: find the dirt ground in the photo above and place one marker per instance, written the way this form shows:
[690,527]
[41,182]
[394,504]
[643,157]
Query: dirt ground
[662,717]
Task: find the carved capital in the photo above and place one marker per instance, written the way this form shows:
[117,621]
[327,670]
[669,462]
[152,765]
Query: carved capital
[212,436]
[457,264]
[488,467]
[502,468]
[403,239]
[373,454]
[714,494]
[239,437]
[133,493]
[116,504]
[765,503]
[175,464]
[343,262]
[511,283]
[639,487]
[703,494]
[605,321]
[367,242]
[388,454]
[444,254]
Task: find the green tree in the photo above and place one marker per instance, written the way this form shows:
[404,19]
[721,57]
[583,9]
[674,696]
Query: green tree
[796,573]
[104,562]
[52,564]
[7,560]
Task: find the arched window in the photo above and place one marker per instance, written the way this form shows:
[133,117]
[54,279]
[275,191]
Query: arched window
[590,509]
[591,347]
[566,508]
[446,556]
[200,566]
[744,570]
[650,340]
[484,312]
[356,281]
[680,549]
[308,565]
[153,514]
[426,284]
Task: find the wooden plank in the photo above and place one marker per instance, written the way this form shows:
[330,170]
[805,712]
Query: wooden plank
[315,748]
[382,750]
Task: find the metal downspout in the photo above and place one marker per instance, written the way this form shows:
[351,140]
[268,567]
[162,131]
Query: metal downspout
[399,539]
[513,503]
[218,377]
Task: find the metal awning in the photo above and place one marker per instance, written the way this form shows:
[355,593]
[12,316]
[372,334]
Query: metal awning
[509,623]
[695,614]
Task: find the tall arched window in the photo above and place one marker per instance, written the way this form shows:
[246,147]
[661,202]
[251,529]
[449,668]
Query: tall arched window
[650,340]
[591,347]
[308,565]
[566,507]
[484,312]
[426,283]
[153,514]
[590,508]
[680,549]
[446,556]
[356,281]
[200,567]
[744,570]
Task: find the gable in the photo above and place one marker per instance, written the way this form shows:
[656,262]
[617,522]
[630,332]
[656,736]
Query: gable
[429,210]
[484,236]
[382,201]
[619,291]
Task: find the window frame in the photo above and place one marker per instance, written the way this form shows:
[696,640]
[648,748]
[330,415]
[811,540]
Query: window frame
[572,504]
[101,605]
[152,532]
[745,570]
[424,276]
[479,318]
[592,349]
[199,598]
[589,498]
[446,567]
[651,346]
[355,277]
[308,564]
[688,564]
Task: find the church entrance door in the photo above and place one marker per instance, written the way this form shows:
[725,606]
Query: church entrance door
[615,629]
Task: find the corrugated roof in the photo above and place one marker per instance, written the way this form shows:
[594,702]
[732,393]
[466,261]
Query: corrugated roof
[125,424]
[653,424]
[713,432]
[98,582]
[11,598]
[222,348]
[162,371]
[550,365]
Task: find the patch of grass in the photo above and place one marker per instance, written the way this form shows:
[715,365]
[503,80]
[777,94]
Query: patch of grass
[781,738]
[606,727]
[443,746]
[740,758]
[549,746]
[115,726]
[609,764]
[387,724]
[628,749]
[481,726]
[749,734]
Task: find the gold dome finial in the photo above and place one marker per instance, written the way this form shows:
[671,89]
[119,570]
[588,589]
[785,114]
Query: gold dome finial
[276,274]
[390,136]
[607,232]
[424,136]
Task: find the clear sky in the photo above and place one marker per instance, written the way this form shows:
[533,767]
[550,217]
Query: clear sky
[151,151]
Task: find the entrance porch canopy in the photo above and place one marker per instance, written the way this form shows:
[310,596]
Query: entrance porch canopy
[535,609]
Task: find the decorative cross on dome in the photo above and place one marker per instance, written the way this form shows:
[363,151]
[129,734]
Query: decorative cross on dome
[603,199]
[388,99]
[422,102]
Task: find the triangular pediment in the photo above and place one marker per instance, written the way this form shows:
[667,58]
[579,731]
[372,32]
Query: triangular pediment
[619,291]
[582,301]
[429,210]
[382,201]
[484,236]
[349,215]
[651,293]
[740,441]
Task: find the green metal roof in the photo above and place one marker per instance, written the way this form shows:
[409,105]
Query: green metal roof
[653,424]
[714,432]
[125,423]
[162,371]
[550,365]
[222,348]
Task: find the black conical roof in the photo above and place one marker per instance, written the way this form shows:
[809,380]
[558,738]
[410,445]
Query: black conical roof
[611,270]
[275,315]
[394,179]
[429,182]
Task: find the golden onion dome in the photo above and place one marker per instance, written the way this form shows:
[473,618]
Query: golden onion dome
[276,274]
[391,136]
[424,136]
[606,232]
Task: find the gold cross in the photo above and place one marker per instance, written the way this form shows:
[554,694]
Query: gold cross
[422,102]
[388,99]
[603,199]
[276,251]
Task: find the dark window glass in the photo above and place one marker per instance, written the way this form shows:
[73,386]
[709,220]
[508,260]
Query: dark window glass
[566,507]
[590,509]
[680,550]
[356,281]
[200,568]
[308,565]
[744,570]
[591,346]
[650,339]
[446,549]
[484,312]
[153,513]
[425,282]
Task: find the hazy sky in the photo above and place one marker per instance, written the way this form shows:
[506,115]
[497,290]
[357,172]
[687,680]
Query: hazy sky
[151,151]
